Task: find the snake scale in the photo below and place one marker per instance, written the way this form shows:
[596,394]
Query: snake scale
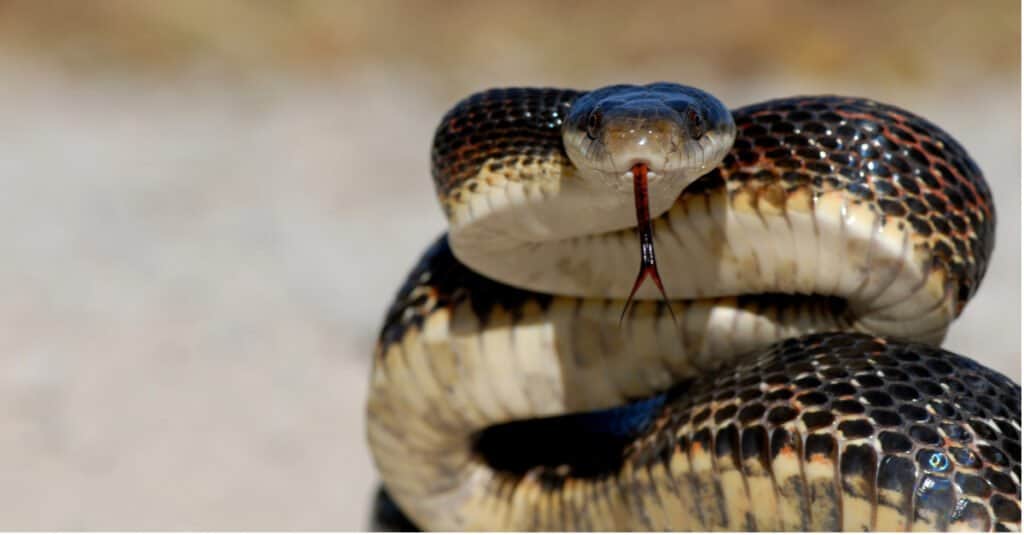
[812,252]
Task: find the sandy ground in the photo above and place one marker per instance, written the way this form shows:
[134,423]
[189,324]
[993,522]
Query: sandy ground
[194,271]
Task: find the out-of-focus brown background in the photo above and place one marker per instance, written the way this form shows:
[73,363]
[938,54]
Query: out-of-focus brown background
[206,207]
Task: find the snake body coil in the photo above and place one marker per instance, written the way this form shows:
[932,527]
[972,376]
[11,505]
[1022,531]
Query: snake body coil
[807,272]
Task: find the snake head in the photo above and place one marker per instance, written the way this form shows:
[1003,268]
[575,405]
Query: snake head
[679,132]
[656,138]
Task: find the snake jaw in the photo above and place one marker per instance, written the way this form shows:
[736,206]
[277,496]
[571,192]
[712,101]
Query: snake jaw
[644,230]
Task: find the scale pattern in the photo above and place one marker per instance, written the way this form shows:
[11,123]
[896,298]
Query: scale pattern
[892,161]
[916,433]
[830,431]
[509,128]
[834,431]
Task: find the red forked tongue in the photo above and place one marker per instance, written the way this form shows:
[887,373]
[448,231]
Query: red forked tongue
[648,264]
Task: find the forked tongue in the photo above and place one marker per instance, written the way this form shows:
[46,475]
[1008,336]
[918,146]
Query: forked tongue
[648,264]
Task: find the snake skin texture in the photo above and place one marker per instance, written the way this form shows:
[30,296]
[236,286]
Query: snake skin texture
[824,431]
[889,433]
[510,127]
[892,161]
[835,431]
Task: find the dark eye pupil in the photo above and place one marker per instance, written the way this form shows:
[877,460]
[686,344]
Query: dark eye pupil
[593,123]
[696,123]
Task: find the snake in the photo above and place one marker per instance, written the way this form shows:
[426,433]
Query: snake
[776,366]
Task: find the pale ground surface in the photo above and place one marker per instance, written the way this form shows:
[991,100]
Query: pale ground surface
[194,272]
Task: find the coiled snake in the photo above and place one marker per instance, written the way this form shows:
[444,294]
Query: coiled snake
[812,251]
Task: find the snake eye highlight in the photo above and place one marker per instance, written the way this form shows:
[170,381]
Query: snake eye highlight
[594,123]
[696,123]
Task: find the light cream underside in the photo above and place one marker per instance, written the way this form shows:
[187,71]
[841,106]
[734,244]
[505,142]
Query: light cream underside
[454,376]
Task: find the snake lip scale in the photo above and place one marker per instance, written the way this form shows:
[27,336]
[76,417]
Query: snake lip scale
[782,374]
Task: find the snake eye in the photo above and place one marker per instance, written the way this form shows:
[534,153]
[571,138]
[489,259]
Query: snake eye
[696,122]
[594,123]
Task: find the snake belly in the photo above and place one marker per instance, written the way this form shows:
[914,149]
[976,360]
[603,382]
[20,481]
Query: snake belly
[811,273]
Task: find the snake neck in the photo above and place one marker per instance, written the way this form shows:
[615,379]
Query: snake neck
[508,229]
[718,239]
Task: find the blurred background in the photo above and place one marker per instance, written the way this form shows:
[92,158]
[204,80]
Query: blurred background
[207,206]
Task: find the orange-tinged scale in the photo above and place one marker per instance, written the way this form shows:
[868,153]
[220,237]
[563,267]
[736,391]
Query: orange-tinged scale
[820,459]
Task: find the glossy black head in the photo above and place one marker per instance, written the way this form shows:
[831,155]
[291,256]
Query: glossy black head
[680,132]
